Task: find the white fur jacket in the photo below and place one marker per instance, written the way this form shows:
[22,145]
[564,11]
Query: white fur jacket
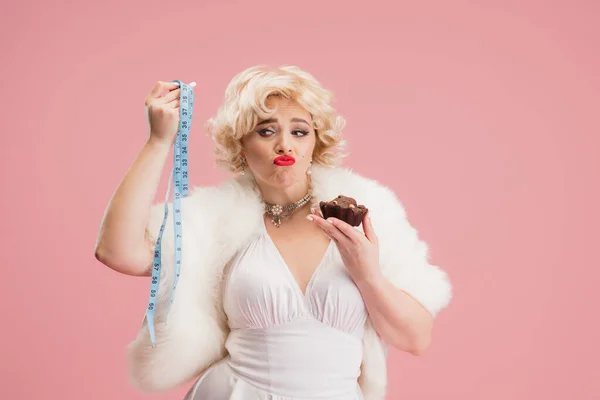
[216,223]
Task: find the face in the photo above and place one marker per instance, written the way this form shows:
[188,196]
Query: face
[288,133]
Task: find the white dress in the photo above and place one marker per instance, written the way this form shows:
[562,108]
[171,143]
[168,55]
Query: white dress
[283,344]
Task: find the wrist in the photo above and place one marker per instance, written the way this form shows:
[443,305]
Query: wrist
[371,281]
[157,144]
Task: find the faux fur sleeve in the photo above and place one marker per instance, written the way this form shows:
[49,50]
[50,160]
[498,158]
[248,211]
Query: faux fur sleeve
[404,256]
[192,339]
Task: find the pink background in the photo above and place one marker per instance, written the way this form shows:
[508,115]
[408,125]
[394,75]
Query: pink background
[482,117]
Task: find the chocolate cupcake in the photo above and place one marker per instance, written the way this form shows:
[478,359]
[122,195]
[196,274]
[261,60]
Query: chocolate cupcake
[344,208]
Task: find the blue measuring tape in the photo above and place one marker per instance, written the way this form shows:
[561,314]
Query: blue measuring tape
[180,188]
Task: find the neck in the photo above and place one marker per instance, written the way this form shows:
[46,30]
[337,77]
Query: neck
[283,196]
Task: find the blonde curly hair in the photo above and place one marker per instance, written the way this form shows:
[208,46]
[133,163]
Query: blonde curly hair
[245,103]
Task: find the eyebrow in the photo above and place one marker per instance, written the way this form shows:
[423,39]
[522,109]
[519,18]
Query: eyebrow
[268,121]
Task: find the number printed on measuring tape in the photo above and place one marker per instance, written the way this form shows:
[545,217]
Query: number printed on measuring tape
[180,189]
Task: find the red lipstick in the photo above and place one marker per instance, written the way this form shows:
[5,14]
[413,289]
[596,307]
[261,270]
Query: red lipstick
[284,161]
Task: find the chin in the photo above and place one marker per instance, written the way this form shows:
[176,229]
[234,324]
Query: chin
[283,178]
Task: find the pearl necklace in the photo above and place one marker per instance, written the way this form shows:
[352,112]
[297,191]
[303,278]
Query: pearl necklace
[277,211]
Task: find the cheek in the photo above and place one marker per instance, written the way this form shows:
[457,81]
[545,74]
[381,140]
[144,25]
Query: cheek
[307,150]
[306,146]
[257,154]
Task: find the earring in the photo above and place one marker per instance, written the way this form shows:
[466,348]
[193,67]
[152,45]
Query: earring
[309,170]
[243,166]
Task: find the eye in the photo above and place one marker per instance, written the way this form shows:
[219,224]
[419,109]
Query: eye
[300,132]
[265,132]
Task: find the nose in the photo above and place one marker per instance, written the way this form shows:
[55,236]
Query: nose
[284,145]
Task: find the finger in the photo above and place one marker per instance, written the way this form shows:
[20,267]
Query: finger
[368,228]
[192,84]
[169,97]
[174,103]
[161,86]
[328,228]
[352,234]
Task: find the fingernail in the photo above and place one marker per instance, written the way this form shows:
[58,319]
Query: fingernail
[312,210]
[308,217]
[192,84]
[330,221]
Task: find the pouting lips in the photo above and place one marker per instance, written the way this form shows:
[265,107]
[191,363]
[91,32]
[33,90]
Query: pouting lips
[284,160]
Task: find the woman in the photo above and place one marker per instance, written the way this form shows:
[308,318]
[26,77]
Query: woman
[296,307]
